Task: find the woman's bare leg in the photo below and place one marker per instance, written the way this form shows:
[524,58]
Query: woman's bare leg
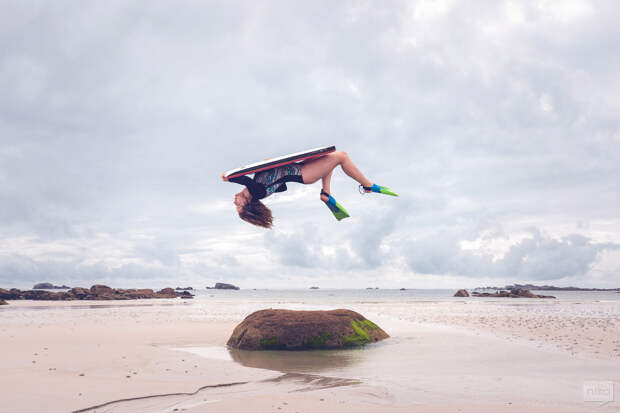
[321,168]
[326,185]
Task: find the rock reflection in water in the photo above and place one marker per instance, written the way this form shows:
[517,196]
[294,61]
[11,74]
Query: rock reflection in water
[298,361]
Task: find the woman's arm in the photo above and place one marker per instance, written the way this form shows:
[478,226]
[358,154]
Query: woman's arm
[242,180]
[256,190]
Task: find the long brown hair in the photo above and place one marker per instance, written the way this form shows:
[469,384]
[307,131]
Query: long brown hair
[256,213]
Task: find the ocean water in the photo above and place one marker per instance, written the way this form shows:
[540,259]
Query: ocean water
[363,296]
[395,304]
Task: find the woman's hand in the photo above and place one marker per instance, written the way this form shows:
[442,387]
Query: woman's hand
[224,178]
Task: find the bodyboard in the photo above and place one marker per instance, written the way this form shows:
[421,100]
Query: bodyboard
[279,161]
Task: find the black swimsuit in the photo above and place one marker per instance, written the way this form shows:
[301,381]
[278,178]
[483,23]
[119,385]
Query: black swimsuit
[272,180]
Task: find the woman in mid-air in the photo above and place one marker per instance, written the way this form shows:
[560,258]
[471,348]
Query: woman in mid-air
[267,182]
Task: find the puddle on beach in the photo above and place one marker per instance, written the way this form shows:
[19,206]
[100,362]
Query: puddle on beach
[310,361]
[432,365]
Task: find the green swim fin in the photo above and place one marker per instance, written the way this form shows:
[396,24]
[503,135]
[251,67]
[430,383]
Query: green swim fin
[337,209]
[379,189]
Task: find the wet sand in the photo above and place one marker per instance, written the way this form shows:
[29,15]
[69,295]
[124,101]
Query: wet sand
[442,357]
[589,328]
[73,362]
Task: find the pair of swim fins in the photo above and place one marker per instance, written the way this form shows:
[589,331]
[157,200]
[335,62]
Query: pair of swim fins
[341,213]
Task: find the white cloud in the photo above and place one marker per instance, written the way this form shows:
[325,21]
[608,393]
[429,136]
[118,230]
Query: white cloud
[430,9]
[546,104]
[537,257]
[566,10]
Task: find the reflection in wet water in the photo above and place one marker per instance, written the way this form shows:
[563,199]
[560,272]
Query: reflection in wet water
[306,361]
[301,361]
[309,382]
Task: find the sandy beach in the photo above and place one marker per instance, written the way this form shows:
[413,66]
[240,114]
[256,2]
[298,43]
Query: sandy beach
[170,355]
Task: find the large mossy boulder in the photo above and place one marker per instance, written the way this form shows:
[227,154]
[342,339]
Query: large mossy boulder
[303,330]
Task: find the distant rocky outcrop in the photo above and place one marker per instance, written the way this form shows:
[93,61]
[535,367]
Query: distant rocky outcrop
[314,288]
[184,288]
[403,289]
[96,292]
[49,286]
[2,302]
[223,286]
[461,293]
[511,294]
[301,330]
[532,287]
[12,294]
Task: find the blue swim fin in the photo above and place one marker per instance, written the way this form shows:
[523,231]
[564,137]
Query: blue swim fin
[337,209]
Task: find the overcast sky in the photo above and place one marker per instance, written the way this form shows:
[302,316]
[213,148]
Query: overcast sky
[496,121]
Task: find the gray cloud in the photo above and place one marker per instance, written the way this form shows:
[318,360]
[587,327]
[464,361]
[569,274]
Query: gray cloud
[22,270]
[306,248]
[537,257]
[359,246]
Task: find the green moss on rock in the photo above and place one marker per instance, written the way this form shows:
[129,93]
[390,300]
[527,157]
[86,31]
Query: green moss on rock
[369,324]
[360,333]
[270,343]
[319,340]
